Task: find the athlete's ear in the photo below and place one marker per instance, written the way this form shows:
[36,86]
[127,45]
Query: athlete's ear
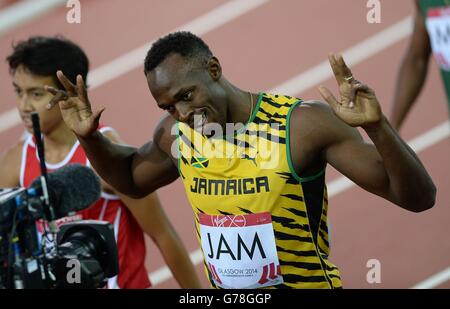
[214,68]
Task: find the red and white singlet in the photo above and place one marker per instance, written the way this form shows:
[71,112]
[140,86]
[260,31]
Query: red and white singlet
[128,234]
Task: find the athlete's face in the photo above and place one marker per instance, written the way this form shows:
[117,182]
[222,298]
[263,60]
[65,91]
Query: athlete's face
[190,93]
[33,98]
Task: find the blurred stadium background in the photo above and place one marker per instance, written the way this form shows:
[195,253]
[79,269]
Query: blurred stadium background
[276,45]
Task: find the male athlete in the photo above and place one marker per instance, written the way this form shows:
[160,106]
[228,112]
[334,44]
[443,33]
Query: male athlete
[258,192]
[33,64]
[430,35]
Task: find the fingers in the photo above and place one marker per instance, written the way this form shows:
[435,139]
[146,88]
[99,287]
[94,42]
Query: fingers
[71,90]
[349,98]
[356,88]
[97,115]
[59,95]
[52,90]
[334,66]
[345,70]
[329,97]
[340,69]
[67,84]
[81,88]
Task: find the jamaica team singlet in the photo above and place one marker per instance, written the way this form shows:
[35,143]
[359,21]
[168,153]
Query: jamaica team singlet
[259,224]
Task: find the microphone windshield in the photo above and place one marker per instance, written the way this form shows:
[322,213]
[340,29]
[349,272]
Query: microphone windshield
[71,188]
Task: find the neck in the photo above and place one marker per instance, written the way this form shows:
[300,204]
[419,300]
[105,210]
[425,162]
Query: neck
[59,139]
[240,104]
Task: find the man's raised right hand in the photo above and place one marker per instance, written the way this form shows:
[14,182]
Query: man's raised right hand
[75,107]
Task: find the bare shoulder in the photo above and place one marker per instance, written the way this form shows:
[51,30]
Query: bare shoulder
[308,127]
[313,128]
[312,119]
[165,133]
[317,119]
[10,166]
[312,109]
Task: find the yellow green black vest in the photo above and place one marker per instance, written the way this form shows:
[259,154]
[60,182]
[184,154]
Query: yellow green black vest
[259,179]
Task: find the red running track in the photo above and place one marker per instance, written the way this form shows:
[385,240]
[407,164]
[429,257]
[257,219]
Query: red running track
[260,50]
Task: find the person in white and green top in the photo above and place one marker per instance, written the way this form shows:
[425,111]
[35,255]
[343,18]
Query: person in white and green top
[431,35]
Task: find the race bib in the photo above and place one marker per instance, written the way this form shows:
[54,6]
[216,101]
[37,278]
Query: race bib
[240,251]
[438,26]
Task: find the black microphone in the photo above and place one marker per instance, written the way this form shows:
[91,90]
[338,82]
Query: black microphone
[71,188]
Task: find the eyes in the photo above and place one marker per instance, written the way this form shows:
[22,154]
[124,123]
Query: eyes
[170,109]
[34,94]
[37,94]
[18,92]
[185,97]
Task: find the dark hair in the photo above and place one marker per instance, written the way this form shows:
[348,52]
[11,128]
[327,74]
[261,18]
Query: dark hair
[44,56]
[183,43]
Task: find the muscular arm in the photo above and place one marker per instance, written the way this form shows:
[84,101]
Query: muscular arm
[412,73]
[150,215]
[134,172]
[387,168]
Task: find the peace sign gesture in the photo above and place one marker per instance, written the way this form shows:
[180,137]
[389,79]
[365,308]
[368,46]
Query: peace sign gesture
[358,105]
[74,104]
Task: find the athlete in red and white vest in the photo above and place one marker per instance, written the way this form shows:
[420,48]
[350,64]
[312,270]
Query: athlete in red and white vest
[128,234]
[33,64]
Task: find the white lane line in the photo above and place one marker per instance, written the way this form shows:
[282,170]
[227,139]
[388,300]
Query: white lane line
[200,26]
[9,119]
[419,143]
[23,11]
[434,281]
[353,56]
[163,274]
[135,58]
